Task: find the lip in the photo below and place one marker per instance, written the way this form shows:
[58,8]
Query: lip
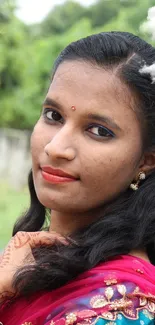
[57,172]
[54,179]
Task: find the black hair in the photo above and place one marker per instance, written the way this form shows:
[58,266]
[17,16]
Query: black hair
[129,221]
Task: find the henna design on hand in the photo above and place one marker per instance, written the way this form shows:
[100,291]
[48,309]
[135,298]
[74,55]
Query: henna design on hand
[16,253]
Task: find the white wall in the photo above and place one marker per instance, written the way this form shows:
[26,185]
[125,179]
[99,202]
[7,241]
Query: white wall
[15,158]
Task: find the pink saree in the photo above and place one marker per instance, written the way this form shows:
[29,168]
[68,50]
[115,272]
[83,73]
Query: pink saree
[115,292]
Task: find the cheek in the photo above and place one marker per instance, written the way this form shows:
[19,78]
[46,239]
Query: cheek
[113,165]
[38,141]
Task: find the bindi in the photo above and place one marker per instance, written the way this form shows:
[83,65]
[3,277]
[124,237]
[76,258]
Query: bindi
[73,108]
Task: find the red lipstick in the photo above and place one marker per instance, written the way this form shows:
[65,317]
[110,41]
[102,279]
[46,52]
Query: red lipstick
[53,175]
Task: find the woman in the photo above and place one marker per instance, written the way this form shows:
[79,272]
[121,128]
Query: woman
[93,166]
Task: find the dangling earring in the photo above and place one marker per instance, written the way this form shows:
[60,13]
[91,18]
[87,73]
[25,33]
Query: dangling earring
[135,186]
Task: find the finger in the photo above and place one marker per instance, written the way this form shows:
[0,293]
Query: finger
[55,237]
[45,238]
[20,239]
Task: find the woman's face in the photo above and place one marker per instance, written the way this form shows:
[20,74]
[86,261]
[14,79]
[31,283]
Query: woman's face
[99,142]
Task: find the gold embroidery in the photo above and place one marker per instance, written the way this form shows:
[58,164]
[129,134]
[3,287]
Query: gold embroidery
[109,315]
[139,271]
[147,314]
[120,304]
[88,320]
[141,295]
[151,306]
[98,302]
[70,318]
[143,301]
[130,312]
[110,281]
[27,323]
[121,289]
[124,305]
[109,292]
[136,290]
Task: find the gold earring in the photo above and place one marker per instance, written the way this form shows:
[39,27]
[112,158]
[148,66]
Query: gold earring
[135,186]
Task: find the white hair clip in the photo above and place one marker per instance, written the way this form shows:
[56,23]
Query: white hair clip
[149,69]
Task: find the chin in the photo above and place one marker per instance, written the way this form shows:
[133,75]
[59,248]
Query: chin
[58,203]
[49,202]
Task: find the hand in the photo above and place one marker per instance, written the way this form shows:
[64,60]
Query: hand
[16,253]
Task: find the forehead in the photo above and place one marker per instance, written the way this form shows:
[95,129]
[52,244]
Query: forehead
[88,79]
[92,89]
[85,82]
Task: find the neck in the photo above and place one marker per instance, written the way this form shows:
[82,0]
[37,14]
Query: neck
[65,223]
[141,253]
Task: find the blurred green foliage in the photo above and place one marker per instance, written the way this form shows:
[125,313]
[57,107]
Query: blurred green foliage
[12,204]
[27,53]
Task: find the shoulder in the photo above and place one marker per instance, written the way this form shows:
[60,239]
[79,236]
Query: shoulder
[114,304]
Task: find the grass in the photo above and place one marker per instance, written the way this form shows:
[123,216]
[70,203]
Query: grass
[12,205]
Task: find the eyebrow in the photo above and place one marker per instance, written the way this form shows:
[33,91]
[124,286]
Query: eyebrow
[52,102]
[92,116]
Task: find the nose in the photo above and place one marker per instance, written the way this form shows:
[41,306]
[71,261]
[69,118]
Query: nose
[62,145]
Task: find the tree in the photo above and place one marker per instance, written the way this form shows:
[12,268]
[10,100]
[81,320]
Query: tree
[12,61]
[103,11]
[27,54]
[62,17]
[129,18]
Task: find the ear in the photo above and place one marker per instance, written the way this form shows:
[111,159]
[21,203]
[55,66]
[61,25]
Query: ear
[147,163]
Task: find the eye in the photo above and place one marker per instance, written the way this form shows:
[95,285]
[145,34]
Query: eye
[101,131]
[52,115]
